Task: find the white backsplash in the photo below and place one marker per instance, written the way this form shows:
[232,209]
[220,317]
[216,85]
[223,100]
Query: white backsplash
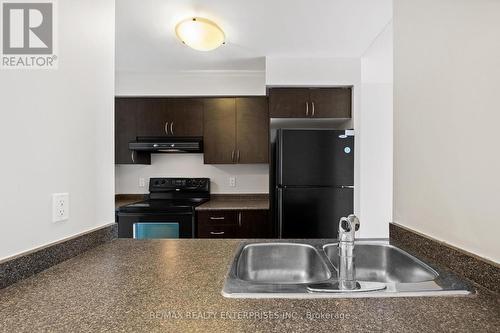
[250,178]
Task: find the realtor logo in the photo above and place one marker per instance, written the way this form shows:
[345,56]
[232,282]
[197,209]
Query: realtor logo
[28,34]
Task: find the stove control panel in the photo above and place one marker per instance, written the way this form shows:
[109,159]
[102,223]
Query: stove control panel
[179,184]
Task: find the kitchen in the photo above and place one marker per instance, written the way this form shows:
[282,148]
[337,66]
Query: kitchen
[266,184]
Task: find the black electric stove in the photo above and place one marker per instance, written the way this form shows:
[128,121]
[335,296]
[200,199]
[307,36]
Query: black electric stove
[168,212]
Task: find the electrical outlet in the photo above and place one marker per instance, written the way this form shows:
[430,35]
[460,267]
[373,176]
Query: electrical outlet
[232,181]
[60,207]
[142,182]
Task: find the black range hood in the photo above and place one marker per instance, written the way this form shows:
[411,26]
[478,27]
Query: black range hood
[167,145]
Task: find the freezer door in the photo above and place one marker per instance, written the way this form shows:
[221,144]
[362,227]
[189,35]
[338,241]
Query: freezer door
[313,212]
[315,158]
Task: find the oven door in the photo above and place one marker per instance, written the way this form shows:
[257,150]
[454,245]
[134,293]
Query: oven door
[155,226]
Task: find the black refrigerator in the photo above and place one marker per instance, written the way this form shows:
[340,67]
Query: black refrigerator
[314,181]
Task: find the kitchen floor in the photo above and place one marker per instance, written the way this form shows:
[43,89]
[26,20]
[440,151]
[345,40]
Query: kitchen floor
[175,285]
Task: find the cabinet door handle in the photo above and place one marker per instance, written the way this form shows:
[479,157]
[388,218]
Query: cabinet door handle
[217,218]
[307,109]
[172,128]
[132,156]
[216,233]
[239,219]
[232,156]
[166,127]
[238,156]
[313,108]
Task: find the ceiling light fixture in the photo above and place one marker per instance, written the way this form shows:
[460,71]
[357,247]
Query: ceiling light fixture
[200,34]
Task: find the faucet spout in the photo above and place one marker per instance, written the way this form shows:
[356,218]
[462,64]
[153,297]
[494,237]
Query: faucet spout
[347,228]
[346,273]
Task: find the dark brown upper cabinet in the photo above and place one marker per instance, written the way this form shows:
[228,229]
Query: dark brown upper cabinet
[310,102]
[145,116]
[170,117]
[187,117]
[289,102]
[236,130]
[252,130]
[219,130]
[331,102]
[126,114]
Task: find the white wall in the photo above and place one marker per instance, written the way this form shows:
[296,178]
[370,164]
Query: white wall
[286,71]
[446,118]
[376,136]
[191,83]
[249,178]
[57,130]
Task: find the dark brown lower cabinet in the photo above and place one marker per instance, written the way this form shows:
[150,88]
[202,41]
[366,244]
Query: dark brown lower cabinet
[234,224]
[218,231]
[255,224]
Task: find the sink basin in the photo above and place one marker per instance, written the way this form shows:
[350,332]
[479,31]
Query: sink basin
[309,269]
[384,263]
[281,263]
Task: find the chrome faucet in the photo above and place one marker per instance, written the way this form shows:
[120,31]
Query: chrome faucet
[346,273]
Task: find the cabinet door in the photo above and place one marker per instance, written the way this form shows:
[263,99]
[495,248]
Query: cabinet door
[154,117]
[331,102]
[219,130]
[187,117]
[255,224]
[126,131]
[289,103]
[252,130]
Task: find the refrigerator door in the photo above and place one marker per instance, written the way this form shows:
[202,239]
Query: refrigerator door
[313,212]
[315,158]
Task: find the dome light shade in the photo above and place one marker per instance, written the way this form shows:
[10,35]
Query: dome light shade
[200,34]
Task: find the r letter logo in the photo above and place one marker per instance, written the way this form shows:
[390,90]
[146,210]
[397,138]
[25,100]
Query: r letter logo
[28,35]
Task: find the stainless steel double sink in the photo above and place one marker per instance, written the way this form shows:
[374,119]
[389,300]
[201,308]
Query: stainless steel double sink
[309,269]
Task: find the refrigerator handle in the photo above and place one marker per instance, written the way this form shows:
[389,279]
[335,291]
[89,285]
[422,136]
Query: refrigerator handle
[280,213]
[279,156]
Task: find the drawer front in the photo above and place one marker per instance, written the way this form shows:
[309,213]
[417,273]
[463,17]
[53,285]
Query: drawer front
[217,217]
[217,231]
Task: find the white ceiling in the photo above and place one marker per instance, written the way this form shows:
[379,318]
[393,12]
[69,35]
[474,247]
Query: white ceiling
[145,39]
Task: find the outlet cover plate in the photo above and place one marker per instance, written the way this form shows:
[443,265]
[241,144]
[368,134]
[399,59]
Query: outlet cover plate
[60,207]
[142,182]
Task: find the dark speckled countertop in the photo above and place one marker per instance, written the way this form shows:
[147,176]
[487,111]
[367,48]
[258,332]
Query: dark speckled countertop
[236,202]
[175,286]
[126,199]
